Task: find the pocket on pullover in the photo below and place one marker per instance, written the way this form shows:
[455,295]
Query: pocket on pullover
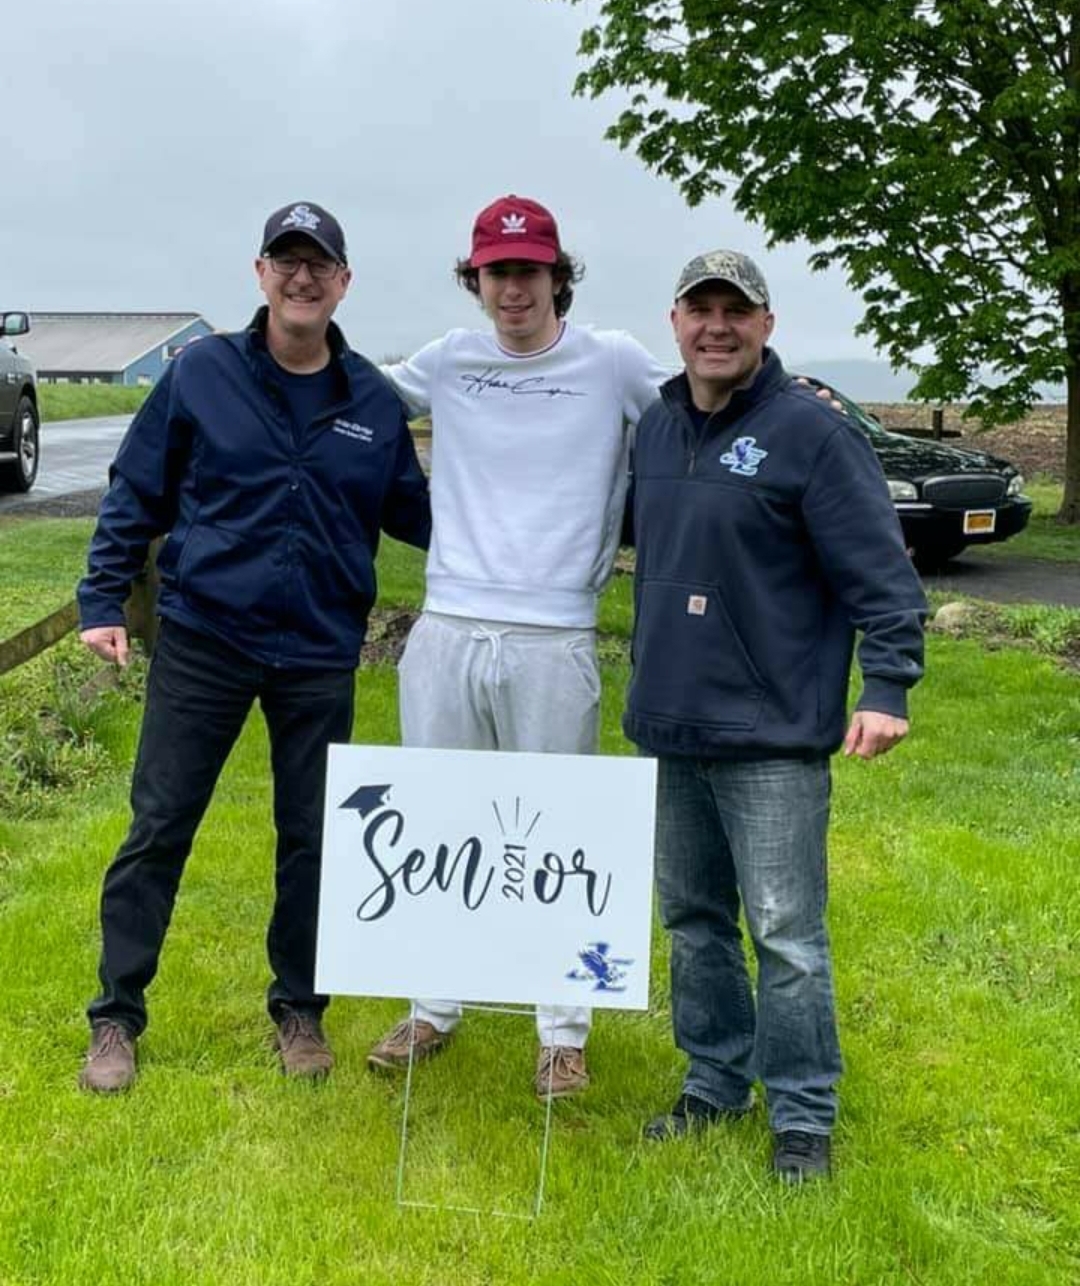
[690,665]
[222,567]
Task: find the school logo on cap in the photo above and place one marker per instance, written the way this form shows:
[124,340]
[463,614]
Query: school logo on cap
[301,217]
[513,225]
[744,458]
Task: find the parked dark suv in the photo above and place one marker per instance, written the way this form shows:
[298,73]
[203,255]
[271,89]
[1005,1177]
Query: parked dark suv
[19,420]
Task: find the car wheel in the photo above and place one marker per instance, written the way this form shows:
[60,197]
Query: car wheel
[20,474]
[931,558]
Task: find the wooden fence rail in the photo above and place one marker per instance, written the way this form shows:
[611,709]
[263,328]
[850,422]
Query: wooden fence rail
[140,610]
[25,645]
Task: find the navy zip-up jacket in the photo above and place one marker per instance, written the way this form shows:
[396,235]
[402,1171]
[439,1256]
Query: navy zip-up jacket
[763,544]
[271,532]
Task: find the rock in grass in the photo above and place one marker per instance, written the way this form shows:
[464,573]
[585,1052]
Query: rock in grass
[955,618]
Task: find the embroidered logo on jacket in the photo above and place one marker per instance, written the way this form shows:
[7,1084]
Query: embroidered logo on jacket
[300,216]
[513,225]
[361,432]
[744,458]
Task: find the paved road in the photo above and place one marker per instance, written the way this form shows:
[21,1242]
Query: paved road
[1002,579]
[75,456]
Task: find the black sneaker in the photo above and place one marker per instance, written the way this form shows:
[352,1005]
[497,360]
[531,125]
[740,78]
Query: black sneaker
[689,1115]
[799,1157]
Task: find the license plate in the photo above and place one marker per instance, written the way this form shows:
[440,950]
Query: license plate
[978,521]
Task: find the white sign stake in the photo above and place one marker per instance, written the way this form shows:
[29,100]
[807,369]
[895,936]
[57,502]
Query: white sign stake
[482,876]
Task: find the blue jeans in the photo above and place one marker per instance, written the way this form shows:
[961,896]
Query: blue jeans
[750,832]
[198,696]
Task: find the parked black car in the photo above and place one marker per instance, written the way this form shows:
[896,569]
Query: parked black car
[19,420]
[946,497]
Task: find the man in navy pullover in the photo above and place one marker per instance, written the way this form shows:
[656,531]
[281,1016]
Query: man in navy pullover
[766,540]
[269,460]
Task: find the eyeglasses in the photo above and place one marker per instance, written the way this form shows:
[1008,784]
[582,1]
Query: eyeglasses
[290,265]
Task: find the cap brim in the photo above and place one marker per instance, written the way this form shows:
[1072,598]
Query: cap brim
[752,295]
[310,236]
[525,252]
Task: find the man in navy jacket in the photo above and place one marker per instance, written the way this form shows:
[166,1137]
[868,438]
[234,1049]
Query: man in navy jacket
[269,460]
[765,540]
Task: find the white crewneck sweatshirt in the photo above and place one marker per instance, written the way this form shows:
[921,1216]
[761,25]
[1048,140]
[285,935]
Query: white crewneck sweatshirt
[528,468]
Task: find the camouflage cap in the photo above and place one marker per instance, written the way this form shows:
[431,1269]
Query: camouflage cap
[724,265]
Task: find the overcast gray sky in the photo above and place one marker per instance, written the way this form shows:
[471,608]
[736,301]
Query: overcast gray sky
[147,140]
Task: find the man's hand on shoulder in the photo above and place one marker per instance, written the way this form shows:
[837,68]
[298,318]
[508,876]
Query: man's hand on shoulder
[825,394]
[871,733]
[110,642]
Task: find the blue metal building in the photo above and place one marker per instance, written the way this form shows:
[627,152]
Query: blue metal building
[108,348]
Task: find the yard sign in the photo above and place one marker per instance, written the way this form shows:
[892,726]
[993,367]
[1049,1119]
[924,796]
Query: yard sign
[486,876]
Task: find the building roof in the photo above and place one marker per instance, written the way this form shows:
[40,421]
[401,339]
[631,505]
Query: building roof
[98,341]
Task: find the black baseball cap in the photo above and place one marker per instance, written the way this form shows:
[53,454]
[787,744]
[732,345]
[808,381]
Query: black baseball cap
[305,218]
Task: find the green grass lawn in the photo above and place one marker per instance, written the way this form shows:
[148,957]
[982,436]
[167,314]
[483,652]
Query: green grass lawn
[1044,536]
[83,401]
[955,917]
[41,561]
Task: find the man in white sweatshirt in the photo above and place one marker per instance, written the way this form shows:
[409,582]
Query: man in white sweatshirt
[531,426]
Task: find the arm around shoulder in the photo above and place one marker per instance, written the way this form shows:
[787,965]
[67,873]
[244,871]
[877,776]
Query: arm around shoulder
[641,376]
[414,378]
[406,513]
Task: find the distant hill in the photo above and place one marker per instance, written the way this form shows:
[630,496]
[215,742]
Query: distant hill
[861,379]
[869,381]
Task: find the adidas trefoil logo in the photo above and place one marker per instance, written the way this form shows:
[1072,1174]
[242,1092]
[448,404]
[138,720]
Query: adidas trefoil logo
[513,225]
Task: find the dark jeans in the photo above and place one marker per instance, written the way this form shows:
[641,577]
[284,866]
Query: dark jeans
[198,696]
[750,832]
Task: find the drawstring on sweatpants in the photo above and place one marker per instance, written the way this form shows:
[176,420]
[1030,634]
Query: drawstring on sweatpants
[495,638]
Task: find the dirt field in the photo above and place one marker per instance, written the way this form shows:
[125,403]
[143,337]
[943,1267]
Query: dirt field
[1036,445]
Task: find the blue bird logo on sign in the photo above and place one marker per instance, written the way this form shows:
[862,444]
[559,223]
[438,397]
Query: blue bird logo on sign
[603,971]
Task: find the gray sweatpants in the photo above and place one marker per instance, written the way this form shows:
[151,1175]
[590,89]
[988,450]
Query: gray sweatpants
[467,684]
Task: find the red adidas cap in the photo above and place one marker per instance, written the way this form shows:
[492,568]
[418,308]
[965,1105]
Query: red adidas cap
[513,227]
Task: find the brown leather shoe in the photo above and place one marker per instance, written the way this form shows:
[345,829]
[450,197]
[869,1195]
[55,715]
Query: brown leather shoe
[303,1048]
[110,1060]
[560,1071]
[391,1054]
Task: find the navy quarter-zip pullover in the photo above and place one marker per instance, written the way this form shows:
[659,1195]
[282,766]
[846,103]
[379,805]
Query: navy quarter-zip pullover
[765,542]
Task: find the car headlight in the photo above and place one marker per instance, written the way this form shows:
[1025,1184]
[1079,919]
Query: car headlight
[1016,485]
[902,490]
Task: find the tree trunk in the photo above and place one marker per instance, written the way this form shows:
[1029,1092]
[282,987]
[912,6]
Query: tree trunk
[1070,504]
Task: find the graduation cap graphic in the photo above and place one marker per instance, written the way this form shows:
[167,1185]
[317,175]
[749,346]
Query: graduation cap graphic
[367,799]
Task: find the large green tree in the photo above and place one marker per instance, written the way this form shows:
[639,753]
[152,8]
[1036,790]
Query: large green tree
[930,150]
